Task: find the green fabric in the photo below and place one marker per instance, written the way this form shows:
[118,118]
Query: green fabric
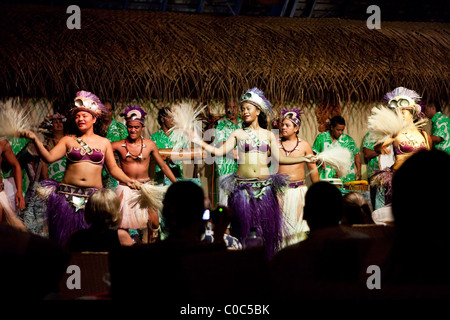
[17,144]
[56,169]
[372,165]
[223,128]
[440,127]
[117,131]
[323,141]
[163,141]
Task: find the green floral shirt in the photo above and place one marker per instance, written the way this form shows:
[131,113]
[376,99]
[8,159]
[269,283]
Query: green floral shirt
[223,128]
[17,144]
[372,165]
[116,132]
[163,141]
[56,169]
[323,141]
[440,127]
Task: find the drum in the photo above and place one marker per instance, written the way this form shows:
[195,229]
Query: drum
[337,182]
[357,185]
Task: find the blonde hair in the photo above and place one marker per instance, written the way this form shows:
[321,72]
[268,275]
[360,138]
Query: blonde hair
[102,208]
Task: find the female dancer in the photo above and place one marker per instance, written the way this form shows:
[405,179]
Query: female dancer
[401,129]
[253,191]
[86,154]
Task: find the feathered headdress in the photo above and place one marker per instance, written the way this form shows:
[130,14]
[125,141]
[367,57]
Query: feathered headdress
[293,115]
[87,101]
[47,123]
[134,113]
[404,98]
[257,98]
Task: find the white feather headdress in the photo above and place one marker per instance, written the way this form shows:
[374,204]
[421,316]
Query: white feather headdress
[186,120]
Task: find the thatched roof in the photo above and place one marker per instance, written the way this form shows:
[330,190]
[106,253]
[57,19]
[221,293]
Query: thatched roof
[154,55]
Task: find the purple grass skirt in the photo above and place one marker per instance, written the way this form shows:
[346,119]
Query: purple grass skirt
[63,216]
[256,203]
[383,178]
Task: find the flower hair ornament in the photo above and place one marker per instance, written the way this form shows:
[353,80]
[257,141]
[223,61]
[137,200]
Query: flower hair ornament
[404,98]
[256,97]
[48,122]
[293,115]
[134,113]
[87,101]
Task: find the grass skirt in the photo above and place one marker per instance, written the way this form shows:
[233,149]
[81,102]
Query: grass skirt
[383,179]
[63,218]
[256,203]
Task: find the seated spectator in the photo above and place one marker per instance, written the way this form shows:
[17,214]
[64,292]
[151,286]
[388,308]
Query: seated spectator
[356,209]
[182,213]
[102,215]
[216,229]
[174,267]
[420,191]
[31,266]
[329,260]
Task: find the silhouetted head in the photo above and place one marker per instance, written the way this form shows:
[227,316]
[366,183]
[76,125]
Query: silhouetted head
[323,205]
[183,207]
[356,209]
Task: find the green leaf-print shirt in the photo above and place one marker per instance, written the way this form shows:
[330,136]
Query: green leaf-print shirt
[223,128]
[440,127]
[163,141]
[323,141]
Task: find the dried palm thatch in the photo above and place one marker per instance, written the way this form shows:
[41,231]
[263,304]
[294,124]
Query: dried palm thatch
[170,56]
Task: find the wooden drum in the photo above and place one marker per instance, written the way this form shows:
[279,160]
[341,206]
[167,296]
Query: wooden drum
[357,185]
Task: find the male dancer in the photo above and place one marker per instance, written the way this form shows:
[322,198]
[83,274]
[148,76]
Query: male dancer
[294,198]
[134,154]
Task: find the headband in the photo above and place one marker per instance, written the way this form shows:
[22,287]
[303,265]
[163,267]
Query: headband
[134,113]
[293,115]
[257,98]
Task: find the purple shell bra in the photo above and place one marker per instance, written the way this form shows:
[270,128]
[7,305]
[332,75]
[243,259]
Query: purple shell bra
[78,154]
